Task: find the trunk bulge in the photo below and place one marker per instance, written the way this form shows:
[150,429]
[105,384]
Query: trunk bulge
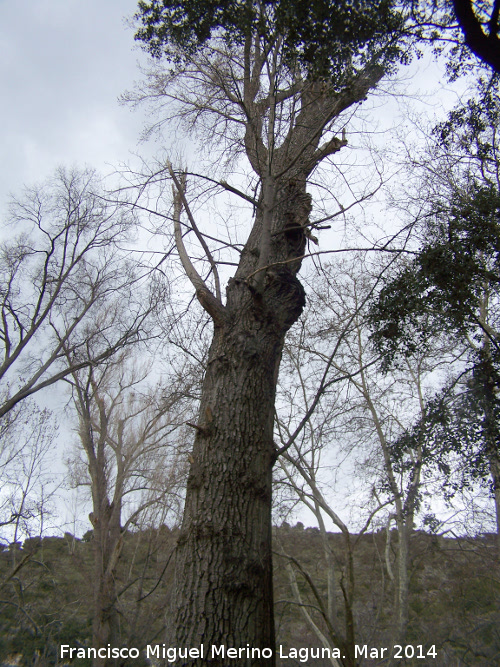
[224,563]
[223,560]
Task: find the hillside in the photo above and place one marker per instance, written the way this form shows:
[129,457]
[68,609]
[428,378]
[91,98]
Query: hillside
[454,605]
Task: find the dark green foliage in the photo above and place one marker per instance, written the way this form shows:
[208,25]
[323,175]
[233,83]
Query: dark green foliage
[451,289]
[468,429]
[321,37]
[460,28]
[470,126]
[471,130]
[421,437]
[452,437]
[439,290]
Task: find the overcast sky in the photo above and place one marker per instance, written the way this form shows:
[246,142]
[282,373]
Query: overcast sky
[63,63]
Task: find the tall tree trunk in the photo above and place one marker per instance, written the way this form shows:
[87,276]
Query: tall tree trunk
[223,563]
[491,407]
[223,584]
[106,522]
[402,581]
[107,549]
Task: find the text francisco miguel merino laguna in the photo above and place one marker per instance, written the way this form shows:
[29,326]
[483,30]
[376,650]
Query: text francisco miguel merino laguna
[172,654]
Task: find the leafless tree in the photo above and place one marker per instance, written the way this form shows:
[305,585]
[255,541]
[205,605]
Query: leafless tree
[132,457]
[63,263]
[26,441]
[363,413]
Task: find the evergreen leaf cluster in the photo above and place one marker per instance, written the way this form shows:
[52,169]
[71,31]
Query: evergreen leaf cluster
[318,38]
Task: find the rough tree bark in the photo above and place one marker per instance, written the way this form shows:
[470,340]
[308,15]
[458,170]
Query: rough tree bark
[268,79]
[228,502]
[223,564]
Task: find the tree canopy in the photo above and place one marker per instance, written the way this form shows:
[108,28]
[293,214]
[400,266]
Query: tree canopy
[479,22]
[318,38]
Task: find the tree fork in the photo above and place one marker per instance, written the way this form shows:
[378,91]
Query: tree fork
[224,553]
[223,574]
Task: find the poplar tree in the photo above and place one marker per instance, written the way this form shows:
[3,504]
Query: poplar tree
[275,79]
